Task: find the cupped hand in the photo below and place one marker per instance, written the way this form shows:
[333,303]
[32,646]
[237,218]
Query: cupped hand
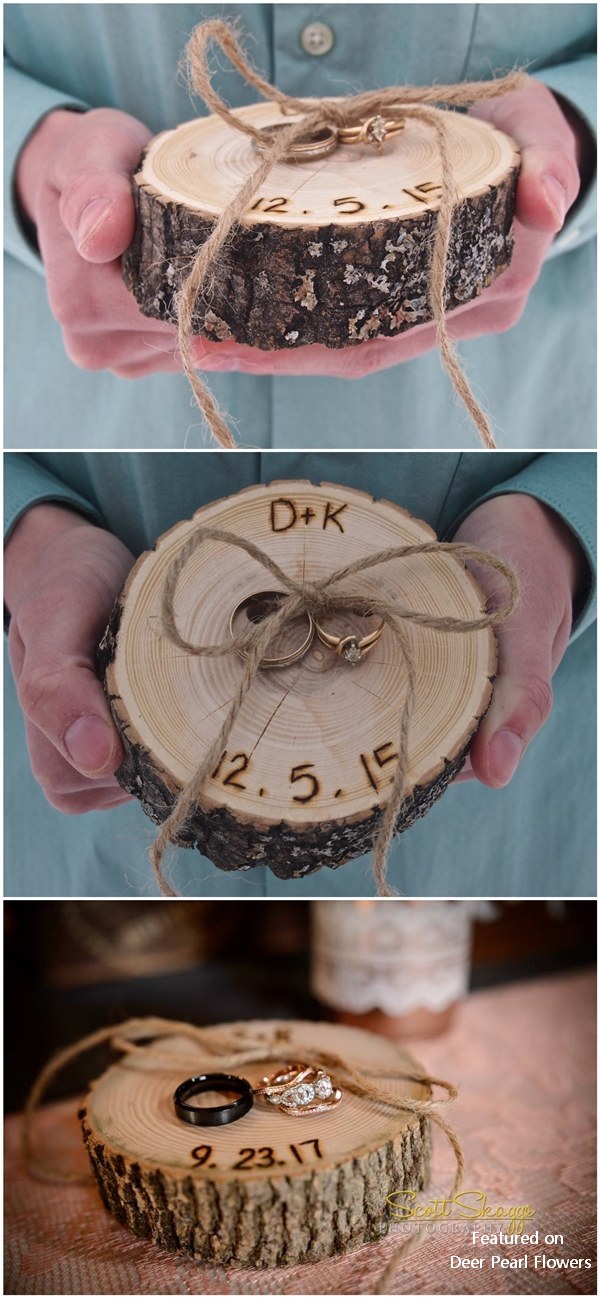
[62,575]
[549,181]
[551,566]
[73,181]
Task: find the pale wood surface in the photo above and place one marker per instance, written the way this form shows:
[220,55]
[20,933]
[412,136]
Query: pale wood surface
[202,164]
[312,753]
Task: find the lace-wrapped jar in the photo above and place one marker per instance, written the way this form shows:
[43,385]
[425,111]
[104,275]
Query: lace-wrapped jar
[395,967]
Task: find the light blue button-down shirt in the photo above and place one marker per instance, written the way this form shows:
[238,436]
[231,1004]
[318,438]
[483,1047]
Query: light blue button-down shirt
[536,837]
[537,379]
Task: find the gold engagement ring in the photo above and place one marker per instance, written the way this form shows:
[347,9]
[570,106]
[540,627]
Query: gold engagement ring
[298,1089]
[350,647]
[375,131]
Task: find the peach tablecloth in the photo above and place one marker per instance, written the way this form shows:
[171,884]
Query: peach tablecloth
[523,1057]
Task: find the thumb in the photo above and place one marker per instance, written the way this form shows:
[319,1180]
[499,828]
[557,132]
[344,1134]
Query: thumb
[521,703]
[96,204]
[548,186]
[57,686]
[65,702]
[549,178]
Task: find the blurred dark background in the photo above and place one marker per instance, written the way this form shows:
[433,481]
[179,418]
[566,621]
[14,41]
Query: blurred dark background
[74,966]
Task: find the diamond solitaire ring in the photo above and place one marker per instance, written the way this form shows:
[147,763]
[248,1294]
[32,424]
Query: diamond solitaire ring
[350,647]
[375,131]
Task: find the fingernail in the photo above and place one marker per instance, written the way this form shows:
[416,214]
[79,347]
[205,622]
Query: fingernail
[555,196]
[505,753]
[89,742]
[92,217]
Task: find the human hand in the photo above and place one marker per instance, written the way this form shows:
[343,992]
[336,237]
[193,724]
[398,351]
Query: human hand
[62,576]
[550,565]
[73,181]
[552,150]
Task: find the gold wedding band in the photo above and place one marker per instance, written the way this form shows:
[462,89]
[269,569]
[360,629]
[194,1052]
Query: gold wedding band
[307,148]
[298,1089]
[349,647]
[257,607]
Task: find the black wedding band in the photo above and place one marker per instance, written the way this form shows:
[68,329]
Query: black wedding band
[219,1114]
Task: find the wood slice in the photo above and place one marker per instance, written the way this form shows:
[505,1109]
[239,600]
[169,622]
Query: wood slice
[332,252]
[311,757]
[270,1189]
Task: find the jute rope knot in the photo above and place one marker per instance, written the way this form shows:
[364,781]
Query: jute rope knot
[235,1049]
[420,102]
[330,594]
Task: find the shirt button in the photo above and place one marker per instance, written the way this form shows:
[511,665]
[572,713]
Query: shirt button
[317,39]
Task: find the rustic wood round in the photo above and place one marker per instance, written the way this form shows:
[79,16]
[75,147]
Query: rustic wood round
[311,757]
[331,251]
[269,1189]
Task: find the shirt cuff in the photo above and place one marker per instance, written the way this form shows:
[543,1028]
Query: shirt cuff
[27,483]
[26,103]
[566,482]
[576,82]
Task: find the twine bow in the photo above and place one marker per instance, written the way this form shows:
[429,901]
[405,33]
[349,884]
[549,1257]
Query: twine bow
[397,101]
[235,1049]
[317,598]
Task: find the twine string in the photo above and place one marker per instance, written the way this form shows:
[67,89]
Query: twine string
[143,1037]
[420,102]
[317,598]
